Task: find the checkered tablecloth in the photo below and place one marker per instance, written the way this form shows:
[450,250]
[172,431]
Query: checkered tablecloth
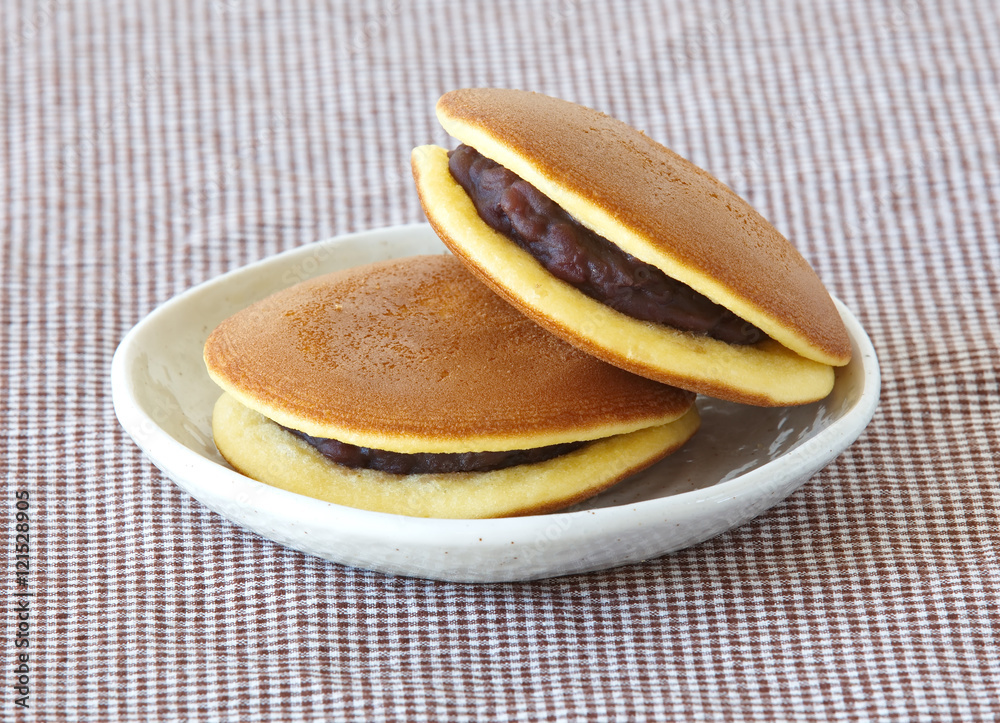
[147,146]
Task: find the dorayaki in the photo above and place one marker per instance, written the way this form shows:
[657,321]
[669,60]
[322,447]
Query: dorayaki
[626,250]
[409,387]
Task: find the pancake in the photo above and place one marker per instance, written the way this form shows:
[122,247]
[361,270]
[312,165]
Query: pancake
[260,449]
[416,356]
[664,211]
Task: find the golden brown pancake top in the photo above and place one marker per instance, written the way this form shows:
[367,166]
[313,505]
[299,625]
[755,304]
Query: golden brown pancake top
[614,177]
[417,355]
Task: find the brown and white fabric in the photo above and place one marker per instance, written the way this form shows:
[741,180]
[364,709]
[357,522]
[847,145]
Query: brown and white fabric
[147,146]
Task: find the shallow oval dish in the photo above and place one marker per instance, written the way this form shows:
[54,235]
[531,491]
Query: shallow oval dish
[742,462]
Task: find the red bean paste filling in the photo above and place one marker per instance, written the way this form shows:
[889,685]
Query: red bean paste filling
[356,457]
[589,262]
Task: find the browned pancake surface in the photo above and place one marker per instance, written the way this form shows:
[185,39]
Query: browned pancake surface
[711,238]
[417,355]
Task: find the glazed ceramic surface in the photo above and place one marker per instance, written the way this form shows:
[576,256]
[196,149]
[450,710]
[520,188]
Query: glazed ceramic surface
[743,461]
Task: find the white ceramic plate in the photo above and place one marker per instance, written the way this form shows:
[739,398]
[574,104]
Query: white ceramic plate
[741,462]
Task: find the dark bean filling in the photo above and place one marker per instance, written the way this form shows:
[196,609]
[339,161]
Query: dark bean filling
[589,262]
[356,457]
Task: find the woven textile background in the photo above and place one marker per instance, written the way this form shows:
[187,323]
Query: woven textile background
[147,146]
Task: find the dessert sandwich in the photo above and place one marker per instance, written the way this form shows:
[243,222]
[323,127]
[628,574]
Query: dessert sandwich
[627,250]
[408,387]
